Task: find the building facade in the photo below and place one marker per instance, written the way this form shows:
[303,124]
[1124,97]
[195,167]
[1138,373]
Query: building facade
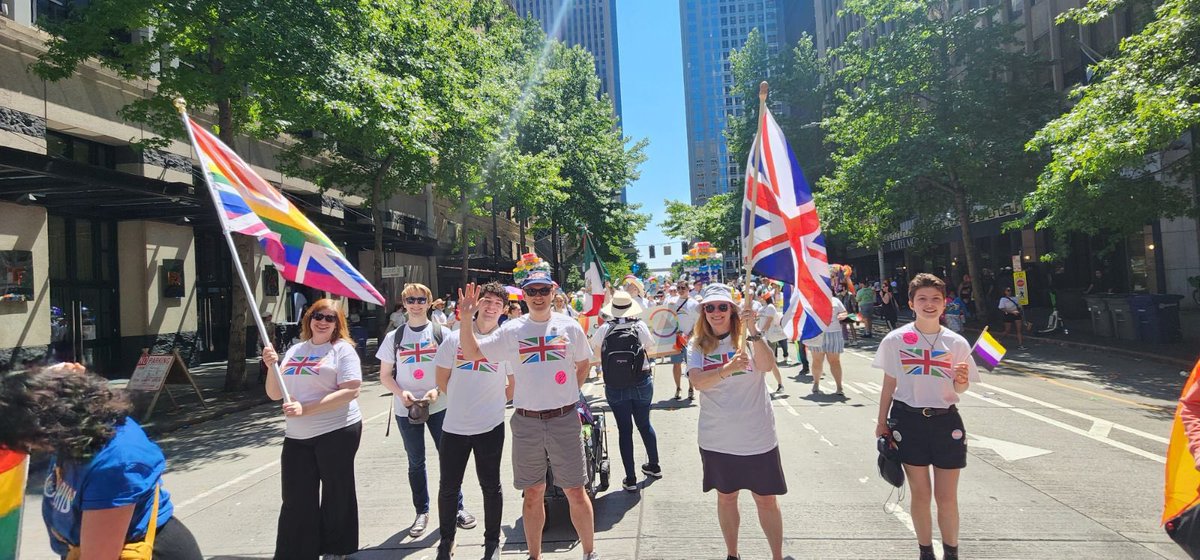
[1159,259]
[106,250]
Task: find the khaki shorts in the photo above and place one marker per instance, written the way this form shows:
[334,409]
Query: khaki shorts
[559,438]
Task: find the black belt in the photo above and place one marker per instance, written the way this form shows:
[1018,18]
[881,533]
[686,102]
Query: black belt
[927,412]
[546,414]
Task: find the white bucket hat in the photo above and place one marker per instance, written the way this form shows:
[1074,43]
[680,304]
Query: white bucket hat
[622,305]
[716,292]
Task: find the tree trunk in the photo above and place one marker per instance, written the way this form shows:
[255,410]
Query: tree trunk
[466,236]
[554,246]
[521,219]
[879,254]
[964,225]
[378,222]
[235,369]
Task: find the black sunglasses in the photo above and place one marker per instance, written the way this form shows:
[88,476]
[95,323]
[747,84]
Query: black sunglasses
[714,307]
[421,299]
[538,291]
[324,317]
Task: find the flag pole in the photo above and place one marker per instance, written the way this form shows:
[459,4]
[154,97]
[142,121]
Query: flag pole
[756,152]
[181,106]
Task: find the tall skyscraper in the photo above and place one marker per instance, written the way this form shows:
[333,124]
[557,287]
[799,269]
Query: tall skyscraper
[710,30]
[589,23]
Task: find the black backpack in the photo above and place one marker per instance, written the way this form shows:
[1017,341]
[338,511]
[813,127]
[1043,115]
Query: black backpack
[622,356]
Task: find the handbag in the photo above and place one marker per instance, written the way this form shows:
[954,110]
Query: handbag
[1184,529]
[142,550]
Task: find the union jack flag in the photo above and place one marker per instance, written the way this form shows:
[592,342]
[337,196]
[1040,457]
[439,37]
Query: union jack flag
[917,361]
[783,240]
[461,362]
[717,361]
[543,349]
[302,365]
[417,353]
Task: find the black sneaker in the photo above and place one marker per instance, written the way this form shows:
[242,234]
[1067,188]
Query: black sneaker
[630,484]
[652,470]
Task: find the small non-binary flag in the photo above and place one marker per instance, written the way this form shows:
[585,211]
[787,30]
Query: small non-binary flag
[988,350]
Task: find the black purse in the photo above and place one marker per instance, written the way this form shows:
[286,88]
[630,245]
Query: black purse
[890,468]
[1184,529]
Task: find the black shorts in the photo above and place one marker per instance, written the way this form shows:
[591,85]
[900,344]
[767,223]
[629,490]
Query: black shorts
[1011,318]
[940,441]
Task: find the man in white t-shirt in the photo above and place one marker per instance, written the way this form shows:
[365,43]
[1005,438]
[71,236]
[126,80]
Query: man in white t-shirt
[688,310]
[477,392]
[551,356]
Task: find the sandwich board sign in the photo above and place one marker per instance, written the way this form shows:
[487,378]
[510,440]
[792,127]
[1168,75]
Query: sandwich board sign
[155,371]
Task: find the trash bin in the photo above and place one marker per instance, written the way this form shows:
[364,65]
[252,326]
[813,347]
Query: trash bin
[1157,317]
[1123,323]
[1101,319]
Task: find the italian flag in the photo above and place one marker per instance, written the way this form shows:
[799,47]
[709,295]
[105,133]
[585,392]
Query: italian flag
[594,277]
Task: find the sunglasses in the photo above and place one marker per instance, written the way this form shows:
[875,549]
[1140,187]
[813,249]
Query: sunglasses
[415,300]
[324,317]
[535,292]
[715,307]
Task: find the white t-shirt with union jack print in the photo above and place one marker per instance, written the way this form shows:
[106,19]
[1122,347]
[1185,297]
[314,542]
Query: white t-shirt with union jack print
[475,394]
[413,363]
[543,358]
[735,414]
[923,365]
[311,371]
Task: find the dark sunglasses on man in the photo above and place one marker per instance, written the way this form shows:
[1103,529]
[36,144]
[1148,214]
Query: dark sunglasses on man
[419,299]
[538,292]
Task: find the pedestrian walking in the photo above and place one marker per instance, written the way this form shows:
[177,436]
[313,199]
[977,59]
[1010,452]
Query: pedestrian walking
[926,367]
[739,449]
[628,385]
[322,375]
[887,298]
[687,309]
[768,324]
[866,307]
[438,315]
[407,369]
[476,393]
[829,346]
[956,314]
[104,495]
[551,358]
[396,318]
[1012,315]
[850,321]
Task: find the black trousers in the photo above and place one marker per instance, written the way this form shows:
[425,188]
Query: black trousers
[455,449]
[175,542]
[320,506]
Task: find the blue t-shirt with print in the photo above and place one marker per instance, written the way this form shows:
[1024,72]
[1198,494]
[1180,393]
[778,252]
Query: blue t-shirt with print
[124,472]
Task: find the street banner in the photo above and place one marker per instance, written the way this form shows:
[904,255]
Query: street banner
[664,327]
[1021,287]
[14,469]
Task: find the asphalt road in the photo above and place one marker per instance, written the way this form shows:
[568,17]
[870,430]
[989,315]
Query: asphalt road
[1066,461]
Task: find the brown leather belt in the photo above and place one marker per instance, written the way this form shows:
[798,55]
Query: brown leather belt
[546,414]
[927,412]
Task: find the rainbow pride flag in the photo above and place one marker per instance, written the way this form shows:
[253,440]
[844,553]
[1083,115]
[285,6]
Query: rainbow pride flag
[251,206]
[12,493]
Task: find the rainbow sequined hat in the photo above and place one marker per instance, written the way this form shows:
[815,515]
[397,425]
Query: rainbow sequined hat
[531,270]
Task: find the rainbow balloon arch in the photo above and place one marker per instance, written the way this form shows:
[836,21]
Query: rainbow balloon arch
[703,263]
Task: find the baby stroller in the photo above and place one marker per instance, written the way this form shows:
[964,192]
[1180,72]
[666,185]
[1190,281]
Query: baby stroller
[595,450]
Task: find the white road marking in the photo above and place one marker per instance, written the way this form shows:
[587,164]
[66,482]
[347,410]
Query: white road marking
[850,387]
[814,430]
[1008,450]
[865,388]
[875,387]
[1101,428]
[1070,428]
[899,513]
[788,406]
[1093,419]
[184,504]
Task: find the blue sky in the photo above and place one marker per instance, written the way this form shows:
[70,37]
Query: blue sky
[652,107]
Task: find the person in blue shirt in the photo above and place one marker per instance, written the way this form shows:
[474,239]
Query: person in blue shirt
[105,477]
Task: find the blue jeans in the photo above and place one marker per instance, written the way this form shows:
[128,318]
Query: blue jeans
[631,405]
[414,445]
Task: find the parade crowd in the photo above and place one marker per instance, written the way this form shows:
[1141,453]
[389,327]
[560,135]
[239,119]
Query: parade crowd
[452,374]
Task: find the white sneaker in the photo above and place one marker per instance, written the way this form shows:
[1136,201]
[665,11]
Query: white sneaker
[419,525]
[593,555]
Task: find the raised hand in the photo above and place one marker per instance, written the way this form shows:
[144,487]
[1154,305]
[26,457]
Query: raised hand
[468,300]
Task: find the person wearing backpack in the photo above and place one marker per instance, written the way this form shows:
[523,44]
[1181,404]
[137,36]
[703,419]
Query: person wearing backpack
[628,385]
[406,368]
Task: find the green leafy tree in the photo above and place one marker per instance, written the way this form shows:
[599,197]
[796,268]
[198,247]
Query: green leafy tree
[223,55]
[931,121]
[717,221]
[1100,173]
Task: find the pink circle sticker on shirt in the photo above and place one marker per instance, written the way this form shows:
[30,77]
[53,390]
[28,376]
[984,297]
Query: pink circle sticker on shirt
[560,377]
[910,337]
[419,374]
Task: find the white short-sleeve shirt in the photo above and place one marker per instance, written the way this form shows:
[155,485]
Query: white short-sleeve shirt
[838,307]
[543,357]
[475,394]
[311,371]
[735,415]
[643,332]
[923,365]
[414,367]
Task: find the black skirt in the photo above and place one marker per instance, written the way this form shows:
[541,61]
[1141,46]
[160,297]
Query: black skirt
[761,474]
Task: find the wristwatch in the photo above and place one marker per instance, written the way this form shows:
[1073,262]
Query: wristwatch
[754,338]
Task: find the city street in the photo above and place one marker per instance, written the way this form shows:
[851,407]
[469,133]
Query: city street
[1066,461]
